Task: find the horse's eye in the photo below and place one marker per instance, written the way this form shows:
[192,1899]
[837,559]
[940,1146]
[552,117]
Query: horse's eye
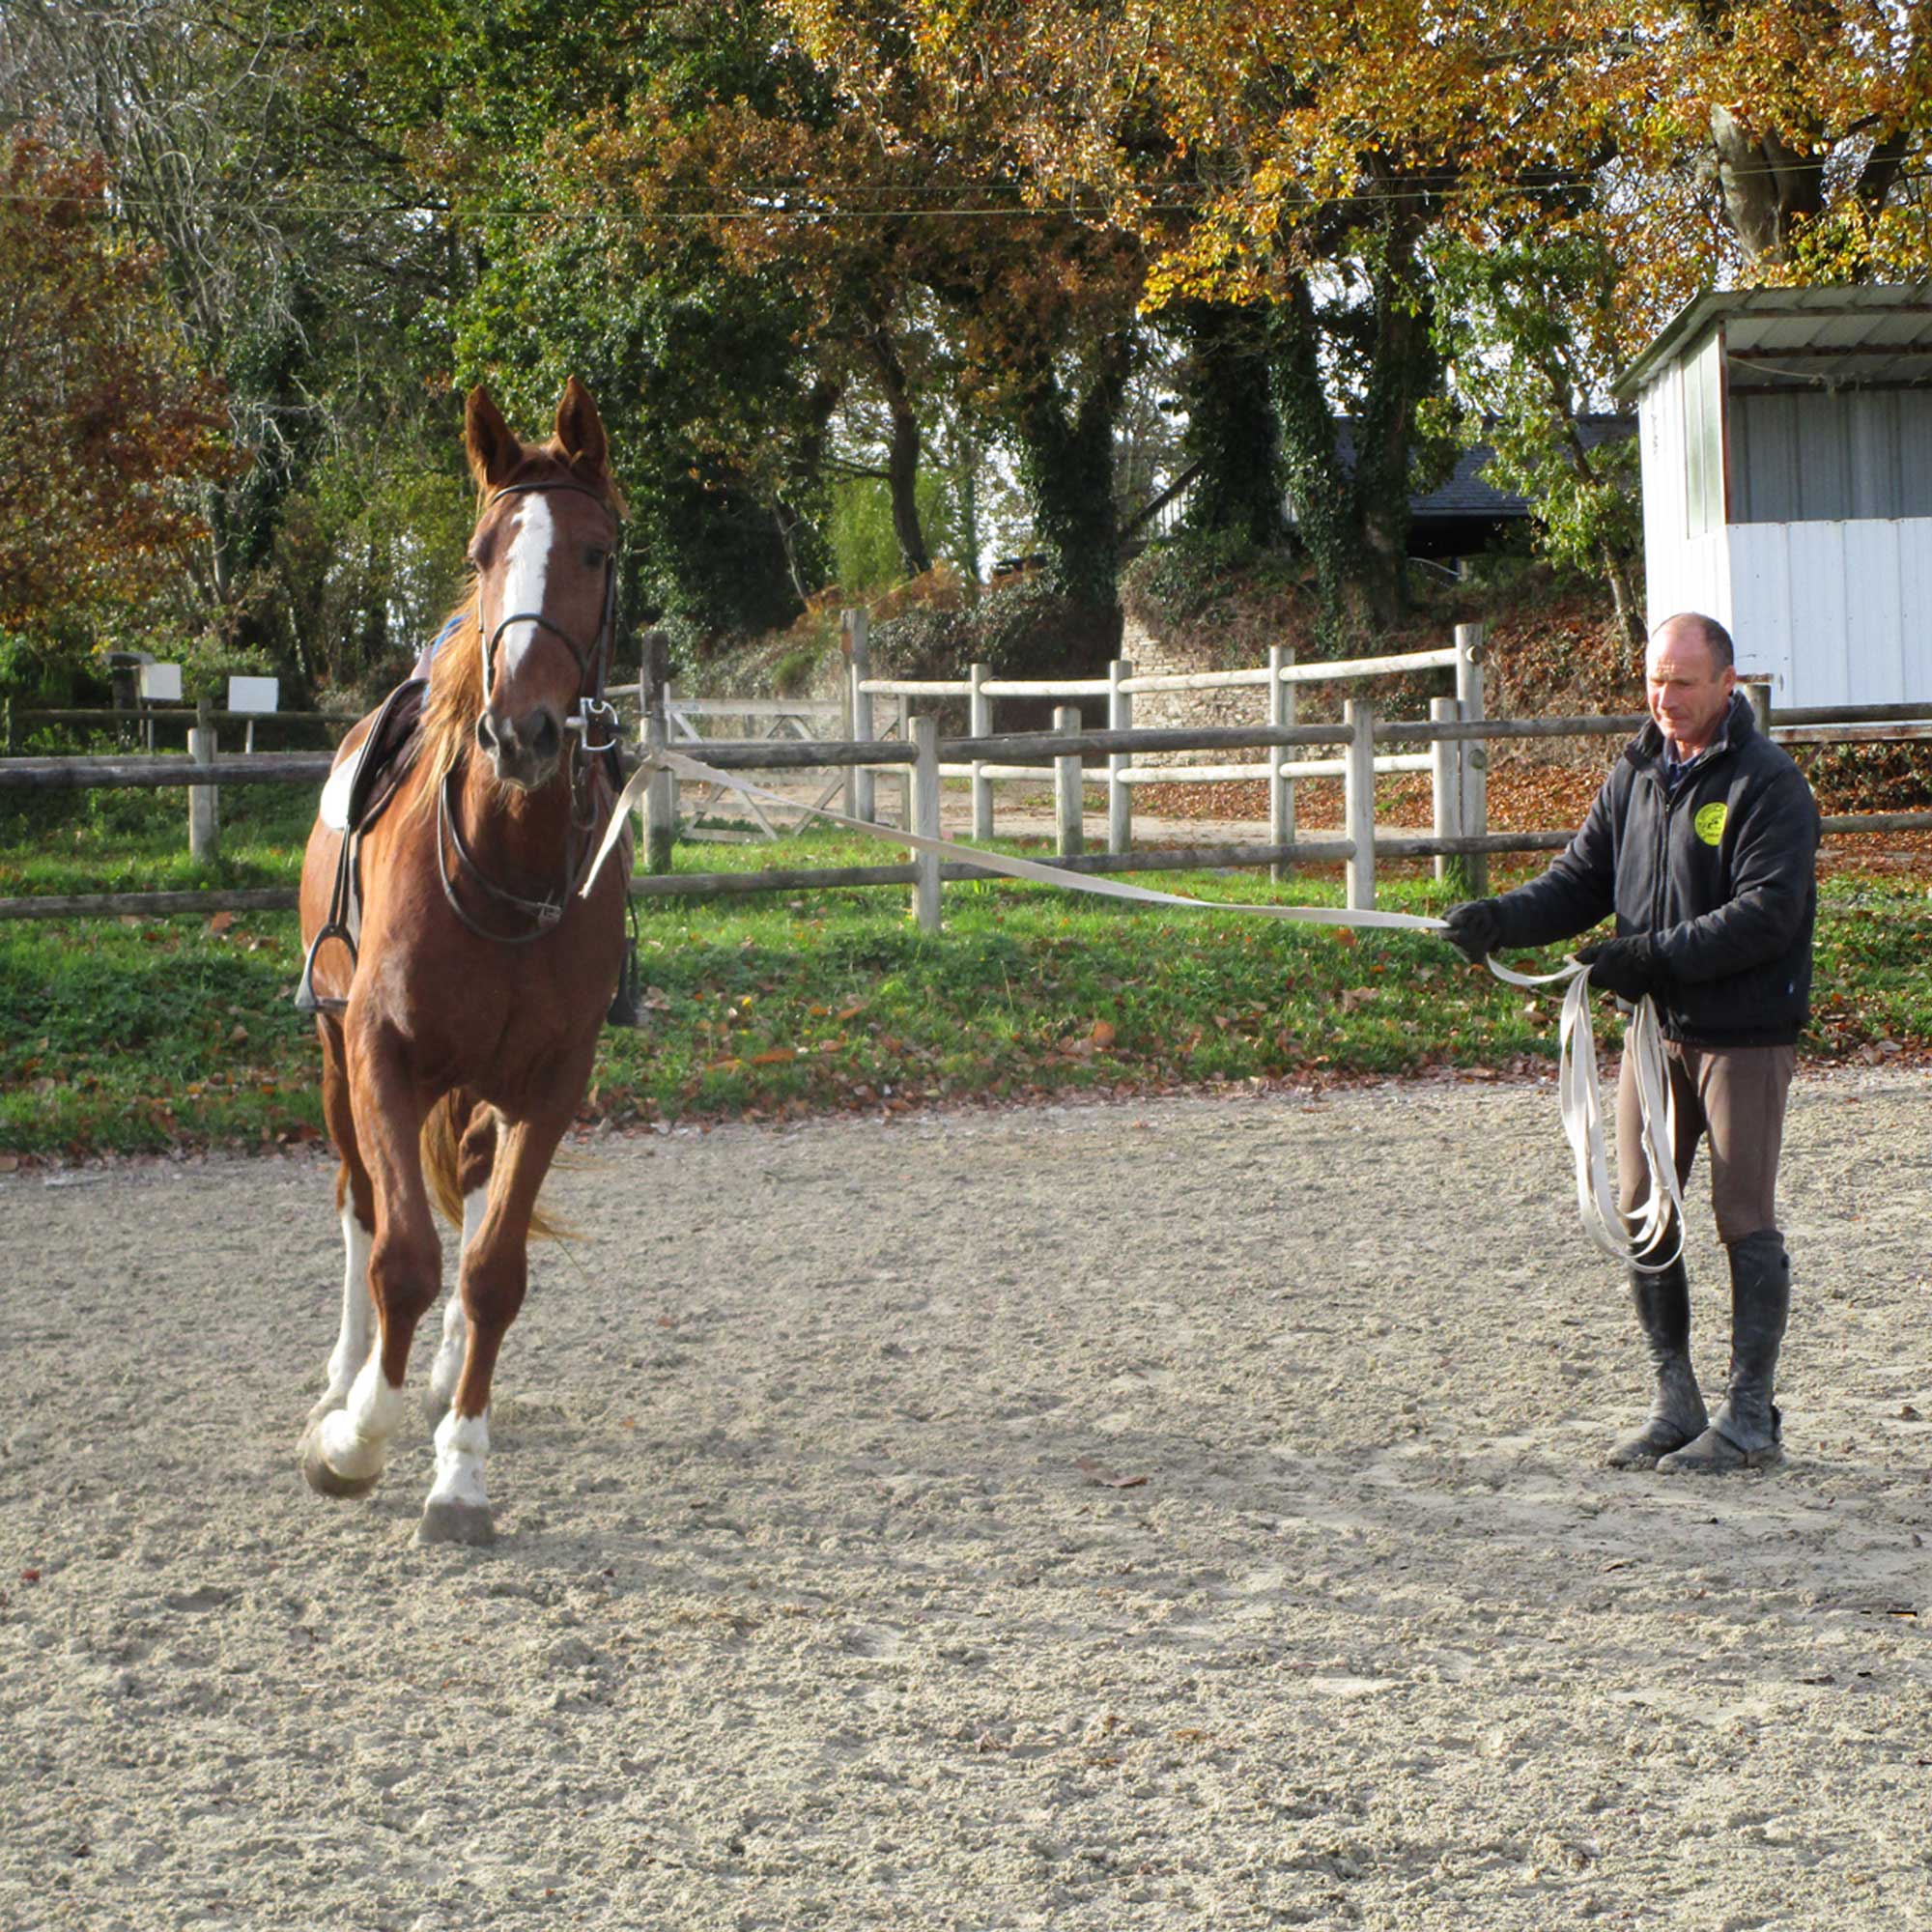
[595,557]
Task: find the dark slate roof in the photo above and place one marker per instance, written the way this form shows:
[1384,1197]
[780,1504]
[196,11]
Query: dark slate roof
[1465,493]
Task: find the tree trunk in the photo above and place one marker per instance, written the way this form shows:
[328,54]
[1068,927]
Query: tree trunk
[1401,373]
[1231,433]
[902,456]
[1318,485]
[1769,188]
[1066,463]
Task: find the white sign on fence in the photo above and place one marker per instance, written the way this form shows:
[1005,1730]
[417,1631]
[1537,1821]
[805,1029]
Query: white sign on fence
[254,693]
[161,683]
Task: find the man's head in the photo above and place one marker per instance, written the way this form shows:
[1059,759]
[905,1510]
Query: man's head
[1689,678]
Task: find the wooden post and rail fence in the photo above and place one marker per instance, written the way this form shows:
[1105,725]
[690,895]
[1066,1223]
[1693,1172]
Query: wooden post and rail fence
[1457,833]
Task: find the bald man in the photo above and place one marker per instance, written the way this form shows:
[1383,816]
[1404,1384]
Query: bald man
[1703,842]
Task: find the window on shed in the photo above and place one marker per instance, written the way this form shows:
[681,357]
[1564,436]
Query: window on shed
[1704,439]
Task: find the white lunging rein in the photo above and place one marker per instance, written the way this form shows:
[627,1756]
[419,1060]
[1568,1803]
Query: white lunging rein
[1579,1092]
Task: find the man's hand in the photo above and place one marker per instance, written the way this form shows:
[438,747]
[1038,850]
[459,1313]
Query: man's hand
[1629,967]
[1475,929]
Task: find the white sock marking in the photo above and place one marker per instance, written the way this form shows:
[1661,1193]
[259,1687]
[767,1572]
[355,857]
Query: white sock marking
[524,575]
[448,1366]
[355,1437]
[462,1442]
[358,1314]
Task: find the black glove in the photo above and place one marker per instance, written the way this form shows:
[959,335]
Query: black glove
[1629,967]
[1475,929]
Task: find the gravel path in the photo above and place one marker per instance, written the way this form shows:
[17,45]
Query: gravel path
[1173,1515]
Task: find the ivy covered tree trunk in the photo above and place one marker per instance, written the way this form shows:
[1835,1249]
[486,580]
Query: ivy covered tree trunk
[1066,463]
[1231,433]
[1318,485]
[1402,369]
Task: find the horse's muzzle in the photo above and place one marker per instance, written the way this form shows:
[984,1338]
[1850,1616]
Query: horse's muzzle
[522,751]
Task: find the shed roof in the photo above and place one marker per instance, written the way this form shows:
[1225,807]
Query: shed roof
[1467,493]
[1842,337]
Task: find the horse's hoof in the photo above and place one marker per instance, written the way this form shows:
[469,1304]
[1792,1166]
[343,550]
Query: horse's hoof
[457,1522]
[319,1477]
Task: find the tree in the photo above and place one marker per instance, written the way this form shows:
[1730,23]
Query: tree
[106,425]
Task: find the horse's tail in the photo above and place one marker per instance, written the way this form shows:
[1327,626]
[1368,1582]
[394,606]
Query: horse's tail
[441,1146]
[441,1143]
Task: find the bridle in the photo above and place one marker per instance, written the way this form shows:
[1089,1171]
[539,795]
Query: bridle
[593,662]
[593,713]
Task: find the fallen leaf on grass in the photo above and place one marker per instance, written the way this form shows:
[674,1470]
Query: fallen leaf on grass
[1102,1035]
[219,923]
[776,1056]
[1106,1478]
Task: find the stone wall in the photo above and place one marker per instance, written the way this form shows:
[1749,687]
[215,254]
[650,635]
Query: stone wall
[1178,710]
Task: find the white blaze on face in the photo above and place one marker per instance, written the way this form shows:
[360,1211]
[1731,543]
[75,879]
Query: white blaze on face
[524,574]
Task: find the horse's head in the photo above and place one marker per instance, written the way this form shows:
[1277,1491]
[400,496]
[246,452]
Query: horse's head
[545,555]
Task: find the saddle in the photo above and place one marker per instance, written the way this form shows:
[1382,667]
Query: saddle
[356,795]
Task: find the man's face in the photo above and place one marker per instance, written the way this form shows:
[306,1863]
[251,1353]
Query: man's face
[1688,691]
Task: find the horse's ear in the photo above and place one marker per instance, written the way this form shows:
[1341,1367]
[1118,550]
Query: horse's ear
[493,445]
[579,431]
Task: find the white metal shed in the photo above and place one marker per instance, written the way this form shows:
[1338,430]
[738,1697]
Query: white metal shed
[1787,483]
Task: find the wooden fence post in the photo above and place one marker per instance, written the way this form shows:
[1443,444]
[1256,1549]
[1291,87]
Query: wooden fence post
[1757,694]
[1281,789]
[979,725]
[203,801]
[1120,794]
[1445,784]
[1066,798]
[657,812]
[858,647]
[1475,756]
[924,736]
[1359,803]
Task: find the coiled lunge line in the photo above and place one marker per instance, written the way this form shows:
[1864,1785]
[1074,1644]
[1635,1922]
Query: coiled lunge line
[1579,1096]
[1577,1090]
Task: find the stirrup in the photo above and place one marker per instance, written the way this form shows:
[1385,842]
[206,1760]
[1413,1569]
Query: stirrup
[307,999]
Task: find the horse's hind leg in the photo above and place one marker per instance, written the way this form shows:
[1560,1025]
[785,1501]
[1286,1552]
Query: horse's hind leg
[476,1156]
[495,1276]
[343,1454]
[355,1205]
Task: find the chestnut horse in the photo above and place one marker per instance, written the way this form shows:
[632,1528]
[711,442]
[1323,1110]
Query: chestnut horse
[457,1036]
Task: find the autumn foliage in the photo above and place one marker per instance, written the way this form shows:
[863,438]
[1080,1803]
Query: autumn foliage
[105,425]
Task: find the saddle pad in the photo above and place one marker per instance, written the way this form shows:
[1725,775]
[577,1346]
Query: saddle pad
[360,784]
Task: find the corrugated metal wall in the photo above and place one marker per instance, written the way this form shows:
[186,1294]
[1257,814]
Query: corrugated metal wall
[1809,457]
[1824,573]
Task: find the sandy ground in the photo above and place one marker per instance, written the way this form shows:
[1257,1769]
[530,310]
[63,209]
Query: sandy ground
[1167,1515]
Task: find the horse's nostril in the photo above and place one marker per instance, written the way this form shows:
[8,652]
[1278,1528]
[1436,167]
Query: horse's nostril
[485,735]
[544,736]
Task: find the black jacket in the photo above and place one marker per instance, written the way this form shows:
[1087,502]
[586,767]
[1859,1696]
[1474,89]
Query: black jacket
[1722,871]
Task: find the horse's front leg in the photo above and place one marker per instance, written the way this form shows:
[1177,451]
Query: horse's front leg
[476,1155]
[356,1207]
[494,1279]
[343,1452]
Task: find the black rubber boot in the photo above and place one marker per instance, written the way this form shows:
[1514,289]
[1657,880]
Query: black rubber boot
[1677,1416]
[1746,1431]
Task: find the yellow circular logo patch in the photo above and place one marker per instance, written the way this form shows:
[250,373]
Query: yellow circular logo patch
[1709,824]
